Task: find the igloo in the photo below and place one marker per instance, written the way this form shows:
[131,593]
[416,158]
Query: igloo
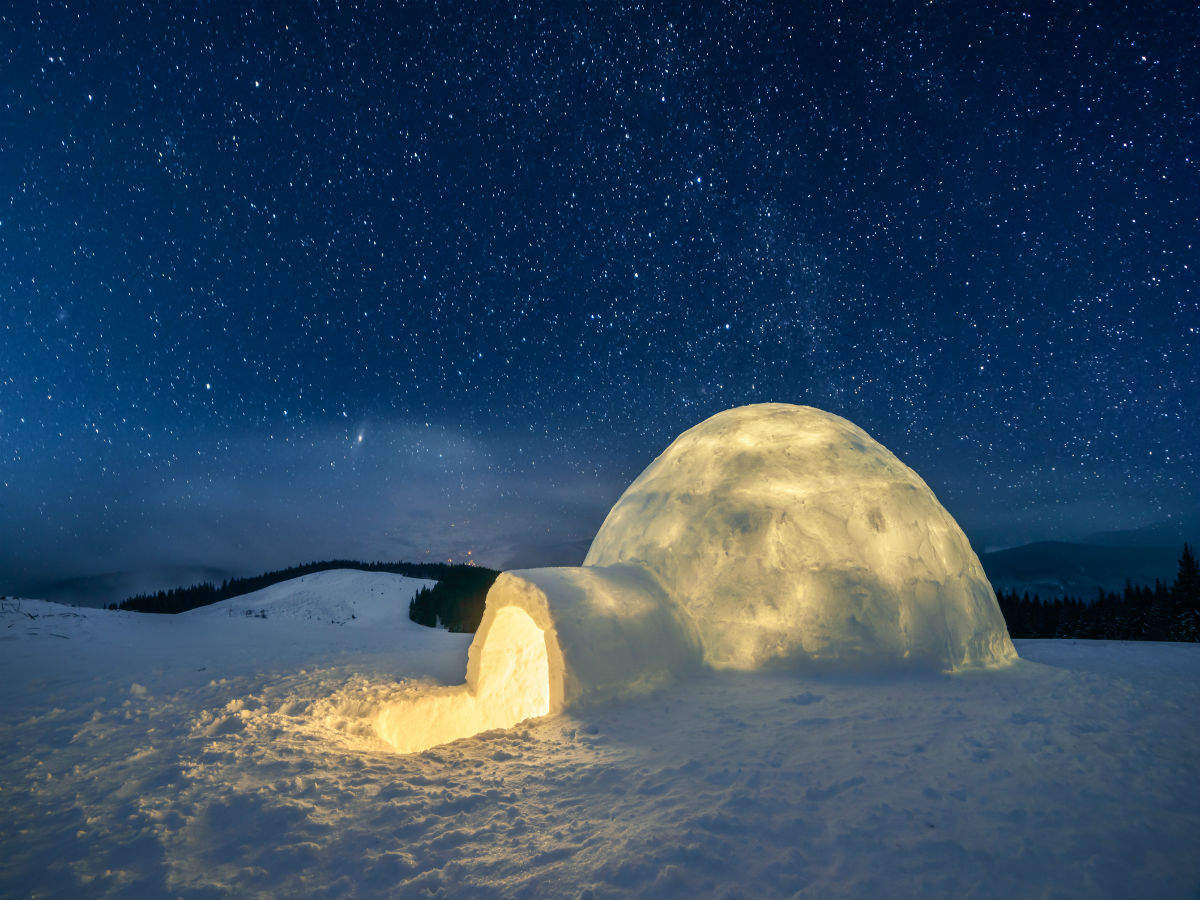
[767,535]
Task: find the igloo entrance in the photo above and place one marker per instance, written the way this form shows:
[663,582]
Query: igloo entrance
[550,638]
[508,681]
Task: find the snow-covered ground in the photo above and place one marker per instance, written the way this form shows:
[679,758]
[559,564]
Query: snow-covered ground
[219,755]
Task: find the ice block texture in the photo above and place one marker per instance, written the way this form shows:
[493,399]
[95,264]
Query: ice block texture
[787,534]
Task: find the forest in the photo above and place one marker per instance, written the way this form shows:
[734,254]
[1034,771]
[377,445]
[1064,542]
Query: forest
[1137,613]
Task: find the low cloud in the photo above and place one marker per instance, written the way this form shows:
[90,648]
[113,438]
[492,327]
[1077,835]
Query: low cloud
[371,490]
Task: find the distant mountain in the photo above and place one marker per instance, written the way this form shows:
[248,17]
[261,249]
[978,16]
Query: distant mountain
[1171,533]
[1054,569]
[103,588]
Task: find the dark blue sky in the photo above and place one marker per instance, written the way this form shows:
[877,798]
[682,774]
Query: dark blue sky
[284,281]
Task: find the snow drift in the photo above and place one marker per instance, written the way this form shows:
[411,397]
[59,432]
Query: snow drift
[766,535]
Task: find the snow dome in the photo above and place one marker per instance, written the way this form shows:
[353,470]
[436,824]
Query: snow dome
[767,535]
[784,533]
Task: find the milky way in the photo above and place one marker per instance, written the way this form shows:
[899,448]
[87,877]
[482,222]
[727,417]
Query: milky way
[301,280]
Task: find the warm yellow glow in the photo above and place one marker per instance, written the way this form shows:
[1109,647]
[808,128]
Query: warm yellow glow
[785,534]
[513,684]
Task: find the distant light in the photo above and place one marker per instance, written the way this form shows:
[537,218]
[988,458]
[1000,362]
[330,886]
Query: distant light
[360,438]
[207,386]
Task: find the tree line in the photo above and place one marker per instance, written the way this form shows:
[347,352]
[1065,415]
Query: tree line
[181,599]
[1138,613]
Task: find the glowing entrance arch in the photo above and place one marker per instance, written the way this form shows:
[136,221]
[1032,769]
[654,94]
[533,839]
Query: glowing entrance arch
[508,681]
[608,632]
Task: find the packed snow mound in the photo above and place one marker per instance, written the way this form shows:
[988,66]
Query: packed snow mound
[549,639]
[785,533]
[608,631]
[333,596]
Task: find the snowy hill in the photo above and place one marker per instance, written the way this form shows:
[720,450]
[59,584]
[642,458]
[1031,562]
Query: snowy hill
[309,621]
[337,596]
[212,754]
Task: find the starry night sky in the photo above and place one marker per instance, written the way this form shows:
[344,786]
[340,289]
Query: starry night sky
[301,280]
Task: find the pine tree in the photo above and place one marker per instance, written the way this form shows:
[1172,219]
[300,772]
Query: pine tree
[1185,593]
[1185,599]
